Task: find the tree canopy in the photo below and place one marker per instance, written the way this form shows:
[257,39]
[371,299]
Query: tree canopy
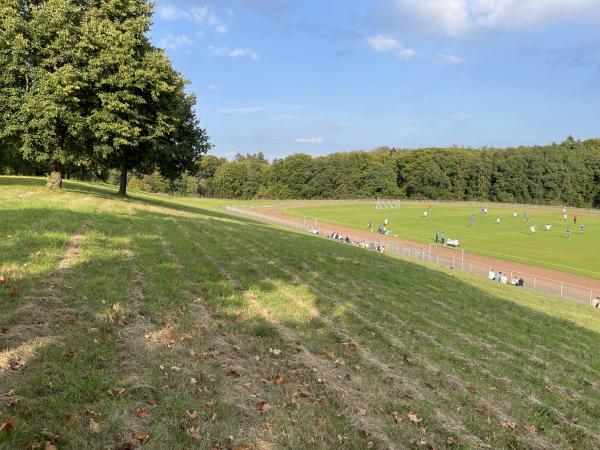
[83,86]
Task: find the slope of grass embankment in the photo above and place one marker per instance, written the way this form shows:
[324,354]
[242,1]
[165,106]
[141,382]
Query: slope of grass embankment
[171,324]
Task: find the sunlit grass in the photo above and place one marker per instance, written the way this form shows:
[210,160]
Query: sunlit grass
[169,306]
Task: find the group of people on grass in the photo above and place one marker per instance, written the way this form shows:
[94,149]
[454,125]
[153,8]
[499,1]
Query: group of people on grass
[361,244]
[502,278]
[381,229]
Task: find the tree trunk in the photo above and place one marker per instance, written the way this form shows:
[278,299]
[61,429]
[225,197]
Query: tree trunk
[55,178]
[123,181]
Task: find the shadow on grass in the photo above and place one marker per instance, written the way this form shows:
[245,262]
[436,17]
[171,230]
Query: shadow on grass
[423,300]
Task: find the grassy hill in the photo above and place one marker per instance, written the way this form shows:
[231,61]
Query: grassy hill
[165,323]
[510,239]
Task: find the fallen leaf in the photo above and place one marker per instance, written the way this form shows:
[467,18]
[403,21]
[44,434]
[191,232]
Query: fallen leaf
[353,346]
[412,416]
[361,412]
[471,389]
[142,437]
[187,337]
[263,406]
[194,432]
[151,402]
[175,369]
[234,372]
[71,419]
[248,386]
[3,281]
[8,425]
[396,416]
[275,351]
[94,427]
[142,413]
[193,381]
[116,307]
[530,428]
[26,410]
[279,379]
[508,424]
[49,446]
[192,414]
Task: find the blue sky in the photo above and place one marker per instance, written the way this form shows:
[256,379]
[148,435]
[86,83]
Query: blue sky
[318,76]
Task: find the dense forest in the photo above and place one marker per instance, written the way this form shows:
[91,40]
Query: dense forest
[566,173]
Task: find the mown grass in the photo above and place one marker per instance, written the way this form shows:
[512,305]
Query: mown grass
[169,323]
[510,240]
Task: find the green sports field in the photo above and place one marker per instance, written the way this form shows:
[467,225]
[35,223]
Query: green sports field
[510,239]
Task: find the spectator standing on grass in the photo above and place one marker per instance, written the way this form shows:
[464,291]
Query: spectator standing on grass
[568,233]
[581,229]
[532,230]
[443,235]
[437,237]
[492,275]
[498,221]
[370,226]
[575,219]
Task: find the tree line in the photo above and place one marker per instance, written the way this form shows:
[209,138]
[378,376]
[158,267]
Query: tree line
[566,173]
[84,92]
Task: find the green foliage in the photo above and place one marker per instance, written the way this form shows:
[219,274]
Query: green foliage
[82,86]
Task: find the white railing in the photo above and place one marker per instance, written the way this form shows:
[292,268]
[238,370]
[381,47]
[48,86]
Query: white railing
[435,255]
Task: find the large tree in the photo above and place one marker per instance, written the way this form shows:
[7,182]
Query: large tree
[42,84]
[144,120]
[82,85]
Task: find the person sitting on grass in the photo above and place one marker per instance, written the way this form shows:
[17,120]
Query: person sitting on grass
[596,302]
[492,275]
[498,276]
[521,282]
[504,279]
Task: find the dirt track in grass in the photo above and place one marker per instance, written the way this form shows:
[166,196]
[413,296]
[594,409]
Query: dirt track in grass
[528,272]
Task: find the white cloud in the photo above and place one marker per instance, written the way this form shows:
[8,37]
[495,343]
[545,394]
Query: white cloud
[212,87]
[247,110]
[317,140]
[234,52]
[203,16]
[448,59]
[461,117]
[176,43]
[291,118]
[386,44]
[296,107]
[457,17]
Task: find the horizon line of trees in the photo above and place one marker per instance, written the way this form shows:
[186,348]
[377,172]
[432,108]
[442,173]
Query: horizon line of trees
[83,92]
[566,173]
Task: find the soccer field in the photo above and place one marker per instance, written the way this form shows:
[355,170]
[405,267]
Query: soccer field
[510,239]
